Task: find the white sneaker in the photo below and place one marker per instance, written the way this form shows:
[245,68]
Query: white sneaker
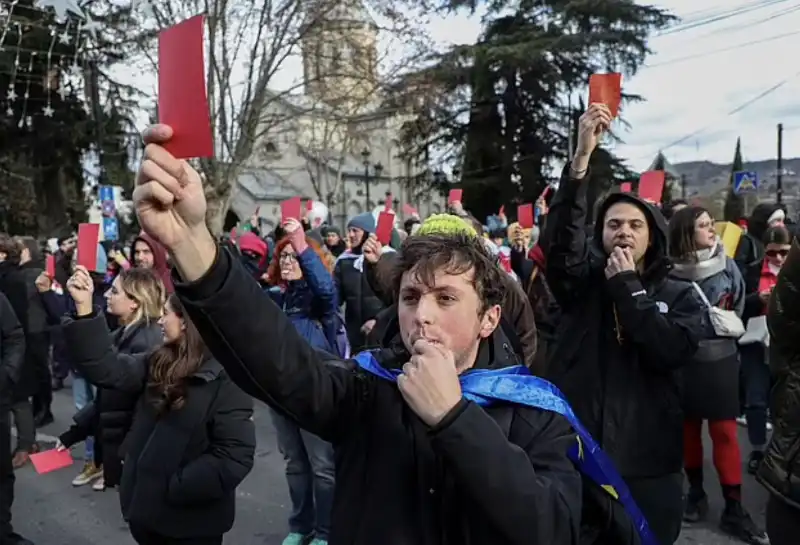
[742,421]
[90,473]
[99,485]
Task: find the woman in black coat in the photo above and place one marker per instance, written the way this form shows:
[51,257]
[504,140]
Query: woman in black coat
[192,440]
[136,299]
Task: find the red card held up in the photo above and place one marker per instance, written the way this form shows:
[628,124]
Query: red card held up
[309,205]
[409,210]
[651,186]
[606,89]
[625,187]
[51,460]
[383,232]
[525,216]
[455,196]
[290,209]
[88,238]
[182,100]
[50,266]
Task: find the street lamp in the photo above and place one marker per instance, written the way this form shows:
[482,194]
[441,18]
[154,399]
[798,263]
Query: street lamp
[365,159]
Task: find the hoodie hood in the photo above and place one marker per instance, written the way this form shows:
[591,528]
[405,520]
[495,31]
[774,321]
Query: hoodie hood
[160,262]
[656,263]
[758,222]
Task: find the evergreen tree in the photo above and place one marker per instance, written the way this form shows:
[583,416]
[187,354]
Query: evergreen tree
[47,124]
[669,180]
[734,203]
[501,102]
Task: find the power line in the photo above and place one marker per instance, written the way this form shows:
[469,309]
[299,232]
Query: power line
[735,12]
[784,13]
[736,110]
[722,50]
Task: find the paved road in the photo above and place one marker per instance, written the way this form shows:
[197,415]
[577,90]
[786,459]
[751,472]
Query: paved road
[50,511]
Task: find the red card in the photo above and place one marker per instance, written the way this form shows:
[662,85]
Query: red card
[409,210]
[525,216]
[88,238]
[651,185]
[383,232]
[309,205]
[606,89]
[502,211]
[50,266]
[290,209]
[182,100]
[455,196]
[626,187]
[51,460]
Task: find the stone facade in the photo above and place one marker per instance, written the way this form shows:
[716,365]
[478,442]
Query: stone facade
[314,145]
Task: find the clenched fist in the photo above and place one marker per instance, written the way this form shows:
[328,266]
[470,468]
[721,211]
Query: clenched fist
[168,198]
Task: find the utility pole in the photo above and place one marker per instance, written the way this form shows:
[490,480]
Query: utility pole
[683,186]
[779,176]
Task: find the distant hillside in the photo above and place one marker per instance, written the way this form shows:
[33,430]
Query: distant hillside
[709,181]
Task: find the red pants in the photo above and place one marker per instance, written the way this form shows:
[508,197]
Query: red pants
[727,455]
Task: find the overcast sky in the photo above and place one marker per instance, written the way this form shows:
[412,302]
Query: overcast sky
[693,80]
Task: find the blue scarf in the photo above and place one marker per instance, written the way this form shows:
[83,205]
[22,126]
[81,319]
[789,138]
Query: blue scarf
[517,386]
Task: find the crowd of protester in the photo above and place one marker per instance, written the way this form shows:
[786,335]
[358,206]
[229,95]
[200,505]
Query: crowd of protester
[461,384]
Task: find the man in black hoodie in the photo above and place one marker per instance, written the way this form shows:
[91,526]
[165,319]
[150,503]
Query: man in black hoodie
[625,330]
[417,462]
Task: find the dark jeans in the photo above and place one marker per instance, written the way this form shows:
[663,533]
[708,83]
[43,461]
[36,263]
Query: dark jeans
[6,474]
[310,476]
[661,502]
[783,522]
[757,383]
[146,537]
[37,354]
[23,421]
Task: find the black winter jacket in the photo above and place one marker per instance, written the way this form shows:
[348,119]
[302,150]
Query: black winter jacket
[360,304]
[12,353]
[497,475]
[780,472]
[181,469]
[113,409]
[622,340]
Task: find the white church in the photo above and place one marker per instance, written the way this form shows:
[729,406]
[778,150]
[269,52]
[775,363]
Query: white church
[335,143]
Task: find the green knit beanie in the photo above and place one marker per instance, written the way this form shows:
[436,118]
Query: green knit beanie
[446,224]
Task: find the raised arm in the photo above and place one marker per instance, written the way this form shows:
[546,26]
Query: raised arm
[91,351]
[264,354]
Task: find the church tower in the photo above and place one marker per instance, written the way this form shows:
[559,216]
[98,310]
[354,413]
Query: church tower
[339,47]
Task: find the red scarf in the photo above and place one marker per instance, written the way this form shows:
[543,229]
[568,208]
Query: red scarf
[767,281]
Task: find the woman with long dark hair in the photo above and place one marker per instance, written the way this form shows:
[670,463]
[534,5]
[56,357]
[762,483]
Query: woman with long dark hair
[711,382]
[192,439]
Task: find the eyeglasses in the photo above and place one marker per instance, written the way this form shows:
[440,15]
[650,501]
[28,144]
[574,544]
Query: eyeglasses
[289,258]
[776,253]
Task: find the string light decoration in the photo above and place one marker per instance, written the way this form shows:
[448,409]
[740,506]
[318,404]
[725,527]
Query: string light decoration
[46,39]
